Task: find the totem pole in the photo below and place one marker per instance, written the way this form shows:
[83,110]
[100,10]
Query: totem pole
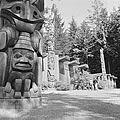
[20,38]
[51,63]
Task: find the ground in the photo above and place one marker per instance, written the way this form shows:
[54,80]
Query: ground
[72,105]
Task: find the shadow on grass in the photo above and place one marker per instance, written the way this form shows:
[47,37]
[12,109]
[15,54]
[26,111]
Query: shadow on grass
[66,107]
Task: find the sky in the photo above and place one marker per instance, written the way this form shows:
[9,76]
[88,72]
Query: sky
[78,8]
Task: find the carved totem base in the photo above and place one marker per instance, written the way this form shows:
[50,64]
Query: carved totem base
[8,102]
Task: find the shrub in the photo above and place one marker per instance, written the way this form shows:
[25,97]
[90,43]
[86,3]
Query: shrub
[44,86]
[101,84]
[61,86]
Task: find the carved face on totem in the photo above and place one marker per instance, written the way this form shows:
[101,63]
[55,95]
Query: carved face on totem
[50,45]
[24,14]
[22,59]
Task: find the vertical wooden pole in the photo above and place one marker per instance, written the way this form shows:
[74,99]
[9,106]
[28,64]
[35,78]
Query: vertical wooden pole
[103,64]
[67,73]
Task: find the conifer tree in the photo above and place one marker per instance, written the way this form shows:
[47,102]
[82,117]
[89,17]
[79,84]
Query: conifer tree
[55,29]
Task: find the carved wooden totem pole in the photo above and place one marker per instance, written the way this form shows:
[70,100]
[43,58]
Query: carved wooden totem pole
[51,63]
[20,38]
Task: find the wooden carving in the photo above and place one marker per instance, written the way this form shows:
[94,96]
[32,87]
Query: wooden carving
[20,38]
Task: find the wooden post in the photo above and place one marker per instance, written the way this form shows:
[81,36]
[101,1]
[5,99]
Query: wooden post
[67,73]
[51,63]
[103,64]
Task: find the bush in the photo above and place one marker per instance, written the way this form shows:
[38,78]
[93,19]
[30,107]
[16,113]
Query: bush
[82,82]
[101,84]
[61,86]
[44,86]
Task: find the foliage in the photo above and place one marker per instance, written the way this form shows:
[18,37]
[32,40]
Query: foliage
[113,42]
[107,32]
[101,84]
[85,41]
[87,34]
[54,30]
[82,81]
[44,86]
[72,30]
[61,86]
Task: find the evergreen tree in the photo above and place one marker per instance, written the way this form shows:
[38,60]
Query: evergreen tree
[84,41]
[98,20]
[72,30]
[113,41]
[59,33]
[55,29]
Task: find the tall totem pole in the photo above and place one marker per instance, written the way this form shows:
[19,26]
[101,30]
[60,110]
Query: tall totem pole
[51,63]
[20,39]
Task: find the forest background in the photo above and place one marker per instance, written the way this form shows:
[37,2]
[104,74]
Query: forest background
[84,41]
